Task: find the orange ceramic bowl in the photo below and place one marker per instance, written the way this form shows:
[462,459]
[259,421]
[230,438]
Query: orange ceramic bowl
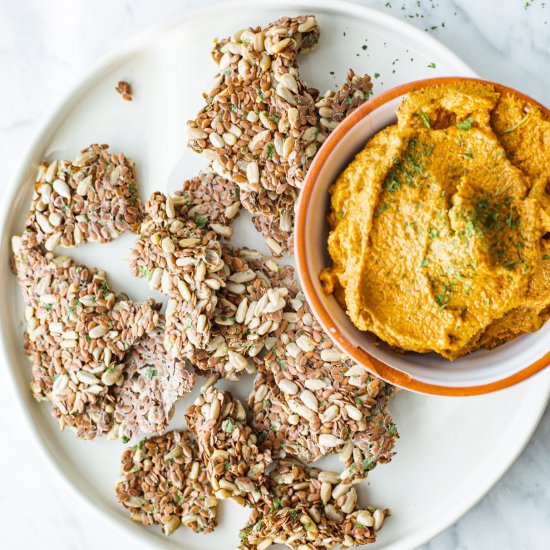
[477,373]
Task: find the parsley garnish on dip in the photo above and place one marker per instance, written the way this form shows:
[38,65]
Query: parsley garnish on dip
[439,225]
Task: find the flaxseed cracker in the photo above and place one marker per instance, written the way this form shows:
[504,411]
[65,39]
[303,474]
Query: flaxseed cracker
[78,332]
[183,261]
[319,411]
[91,199]
[211,198]
[236,466]
[310,508]
[257,108]
[165,482]
[310,400]
[152,383]
[248,312]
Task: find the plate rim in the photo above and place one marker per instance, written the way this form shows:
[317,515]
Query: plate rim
[48,126]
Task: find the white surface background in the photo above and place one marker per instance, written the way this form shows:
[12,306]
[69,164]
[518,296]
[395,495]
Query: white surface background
[45,46]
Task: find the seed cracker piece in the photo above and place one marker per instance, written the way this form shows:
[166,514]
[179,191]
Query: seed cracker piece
[286,425]
[248,312]
[211,198]
[78,332]
[73,306]
[259,124]
[236,466]
[310,400]
[124,89]
[274,213]
[153,382]
[273,216]
[165,482]
[183,261]
[335,106]
[92,199]
[310,507]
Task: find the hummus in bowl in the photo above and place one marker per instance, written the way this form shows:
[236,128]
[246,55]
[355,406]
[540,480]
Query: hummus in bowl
[437,235]
[438,224]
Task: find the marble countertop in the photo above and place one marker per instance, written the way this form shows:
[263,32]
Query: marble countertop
[45,46]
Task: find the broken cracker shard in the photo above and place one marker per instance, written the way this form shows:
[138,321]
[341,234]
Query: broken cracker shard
[78,332]
[164,481]
[262,125]
[90,199]
[124,89]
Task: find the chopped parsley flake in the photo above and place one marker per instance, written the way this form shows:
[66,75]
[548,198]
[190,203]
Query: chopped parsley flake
[202,221]
[425,119]
[466,124]
[229,426]
[409,170]
[368,463]
[151,373]
[245,533]
[144,272]
[381,210]
[258,525]
[515,126]
[392,429]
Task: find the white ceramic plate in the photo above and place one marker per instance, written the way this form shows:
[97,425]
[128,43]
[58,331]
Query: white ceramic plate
[451,451]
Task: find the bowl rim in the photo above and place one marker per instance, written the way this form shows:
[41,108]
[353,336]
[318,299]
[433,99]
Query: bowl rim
[371,363]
